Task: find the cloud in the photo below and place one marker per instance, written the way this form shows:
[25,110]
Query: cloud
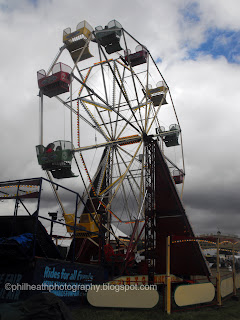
[197,52]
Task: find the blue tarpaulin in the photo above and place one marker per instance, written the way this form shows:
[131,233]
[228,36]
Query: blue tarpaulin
[24,240]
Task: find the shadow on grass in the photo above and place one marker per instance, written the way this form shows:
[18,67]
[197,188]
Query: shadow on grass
[229,311]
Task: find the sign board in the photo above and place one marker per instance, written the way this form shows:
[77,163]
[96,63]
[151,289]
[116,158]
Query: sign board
[122,296]
[226,287]
[186,295]
[69,281]
[143,279]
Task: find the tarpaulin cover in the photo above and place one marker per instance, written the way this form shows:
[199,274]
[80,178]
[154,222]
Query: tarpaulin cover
[17,225]
[23,239]
[18,247]
[186,257]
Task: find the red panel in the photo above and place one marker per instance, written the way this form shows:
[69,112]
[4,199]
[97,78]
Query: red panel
[59,76]
[178,179]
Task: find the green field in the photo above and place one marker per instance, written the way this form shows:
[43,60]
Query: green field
[230,310]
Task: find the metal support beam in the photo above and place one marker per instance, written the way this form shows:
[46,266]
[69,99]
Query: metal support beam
[150,216]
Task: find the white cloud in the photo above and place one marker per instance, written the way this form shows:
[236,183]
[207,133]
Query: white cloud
[205,90]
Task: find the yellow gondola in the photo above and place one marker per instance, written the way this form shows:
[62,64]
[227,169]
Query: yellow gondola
[86,224]
[158,94]
[75,41]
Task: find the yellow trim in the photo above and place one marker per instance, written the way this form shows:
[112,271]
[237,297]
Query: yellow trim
[95,104]
[141,105]
[103,61]
[156,90]
[70,36]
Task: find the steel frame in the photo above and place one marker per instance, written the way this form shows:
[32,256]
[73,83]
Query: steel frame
[150,214]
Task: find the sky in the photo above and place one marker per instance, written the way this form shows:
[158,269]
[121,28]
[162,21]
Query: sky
[196,46]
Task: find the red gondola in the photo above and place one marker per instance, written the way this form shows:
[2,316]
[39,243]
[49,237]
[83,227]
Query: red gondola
[178,176]
[56,83]
[137,58]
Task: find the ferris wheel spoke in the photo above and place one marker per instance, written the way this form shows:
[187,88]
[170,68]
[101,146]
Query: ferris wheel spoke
[91,91]
[123,89]
[128,122]
[110,107]
[124,127]
[78,115]
[87,189]
[133,80]
[133,191]
[119,170]
[113,102]
[123,140]
[102,170]
[94,120]
[118,105]
[140,114]
[125,164]
[125,204]
[107,100]
[55,59]
[123,176]
[84,79]
[90,95]
[103,76]
[110,187]
[126,200]
[154,117]
[133,74]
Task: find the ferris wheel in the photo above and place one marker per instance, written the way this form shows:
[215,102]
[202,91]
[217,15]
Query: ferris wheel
[118,101]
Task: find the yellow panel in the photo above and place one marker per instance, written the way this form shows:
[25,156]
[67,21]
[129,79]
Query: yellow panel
[67,37]
[90,225]
[69,218]
[163,89]
[121,298]
[237,280]
[85,55]
[226,287]
[156,90]
[186,295]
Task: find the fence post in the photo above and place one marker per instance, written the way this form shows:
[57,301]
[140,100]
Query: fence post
[234,272]
[219,298]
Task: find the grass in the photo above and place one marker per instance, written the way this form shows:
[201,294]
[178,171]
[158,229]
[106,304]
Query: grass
[229,311]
